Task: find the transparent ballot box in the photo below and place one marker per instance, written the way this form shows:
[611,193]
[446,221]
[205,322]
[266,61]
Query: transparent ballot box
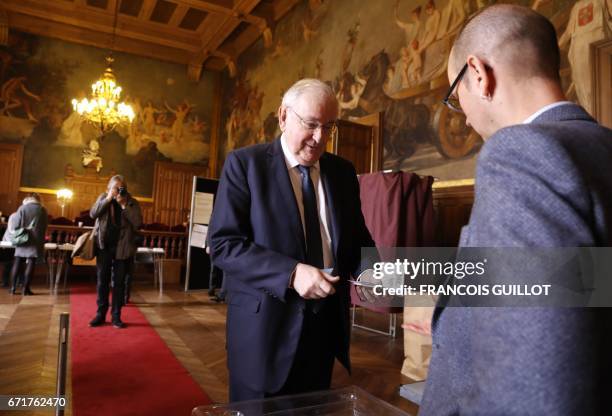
[348,401]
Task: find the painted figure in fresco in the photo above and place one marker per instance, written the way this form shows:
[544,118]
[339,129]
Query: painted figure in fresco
[412,64]
[406,124]
[452,17]
[244,126]
[349,92]
[148,118]
[407,70]
[347,53]
[180,114]
[412,28]
[318,66]
[432,25]
[198,126]
[590,21]
[91,157]
[14,94]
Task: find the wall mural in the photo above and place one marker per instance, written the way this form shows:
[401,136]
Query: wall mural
[391,56]
[40,76]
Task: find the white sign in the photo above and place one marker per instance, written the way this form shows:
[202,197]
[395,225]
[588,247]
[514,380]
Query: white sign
[203,207]
[198,236]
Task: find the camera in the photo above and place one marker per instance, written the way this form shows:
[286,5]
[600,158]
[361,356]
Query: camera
[122,191]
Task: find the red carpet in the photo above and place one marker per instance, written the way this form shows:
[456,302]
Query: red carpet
[127,371]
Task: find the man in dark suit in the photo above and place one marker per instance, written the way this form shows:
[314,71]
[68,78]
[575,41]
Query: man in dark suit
[283,212]
[542,180]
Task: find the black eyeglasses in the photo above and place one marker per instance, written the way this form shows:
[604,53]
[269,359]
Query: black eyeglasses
[326,129]
[451,100]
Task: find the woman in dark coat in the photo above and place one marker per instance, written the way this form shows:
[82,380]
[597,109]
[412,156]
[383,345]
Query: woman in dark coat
[31,215]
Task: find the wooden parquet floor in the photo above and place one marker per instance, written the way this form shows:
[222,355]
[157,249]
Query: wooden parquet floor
[191,325]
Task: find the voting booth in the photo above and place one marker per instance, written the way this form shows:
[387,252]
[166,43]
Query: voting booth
[198,262]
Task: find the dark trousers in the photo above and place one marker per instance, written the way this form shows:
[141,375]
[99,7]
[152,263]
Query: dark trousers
[314,359]
[27,276]
[215,280]
[109,268]
[127,287]
[312,366]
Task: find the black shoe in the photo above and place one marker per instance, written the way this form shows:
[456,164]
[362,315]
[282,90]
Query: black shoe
[12,291]
[97,321]
[118,323]
[28,292]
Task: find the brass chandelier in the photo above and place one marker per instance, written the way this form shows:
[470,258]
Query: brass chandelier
[104,109]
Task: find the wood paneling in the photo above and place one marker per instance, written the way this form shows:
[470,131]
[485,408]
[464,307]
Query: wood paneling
[359,144]
[376,121]
[11,157]
[172,185]
[602,83]
[86,188]
[452,207]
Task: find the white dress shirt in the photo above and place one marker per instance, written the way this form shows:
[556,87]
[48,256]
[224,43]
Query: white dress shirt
[296,183]
[544,109]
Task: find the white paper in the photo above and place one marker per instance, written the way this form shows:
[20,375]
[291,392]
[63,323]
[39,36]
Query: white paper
[198,236]
[203,207]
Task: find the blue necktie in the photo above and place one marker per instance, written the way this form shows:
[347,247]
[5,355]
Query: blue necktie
[314,245]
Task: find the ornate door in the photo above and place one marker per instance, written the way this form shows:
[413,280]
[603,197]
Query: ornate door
[172,185]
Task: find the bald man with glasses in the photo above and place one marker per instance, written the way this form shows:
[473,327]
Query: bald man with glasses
[287,231]
[542,180]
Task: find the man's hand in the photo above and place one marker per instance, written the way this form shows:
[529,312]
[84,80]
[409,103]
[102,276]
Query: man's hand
[112,193]
[312,283]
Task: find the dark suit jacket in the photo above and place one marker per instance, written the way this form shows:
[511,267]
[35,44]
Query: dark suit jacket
[257,240]
[131,221]
[543,184]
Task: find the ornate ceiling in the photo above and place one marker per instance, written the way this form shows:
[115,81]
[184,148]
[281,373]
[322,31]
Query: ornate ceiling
[207,34]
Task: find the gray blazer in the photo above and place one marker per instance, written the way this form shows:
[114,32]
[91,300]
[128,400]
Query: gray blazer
[543,184]
[23,218]
[131,220]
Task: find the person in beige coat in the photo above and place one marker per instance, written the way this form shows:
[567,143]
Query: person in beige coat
[118,218]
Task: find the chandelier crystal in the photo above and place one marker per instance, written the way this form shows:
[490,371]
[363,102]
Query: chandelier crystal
[104,108]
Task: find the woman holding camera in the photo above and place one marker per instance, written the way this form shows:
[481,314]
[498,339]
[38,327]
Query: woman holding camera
[118,218]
